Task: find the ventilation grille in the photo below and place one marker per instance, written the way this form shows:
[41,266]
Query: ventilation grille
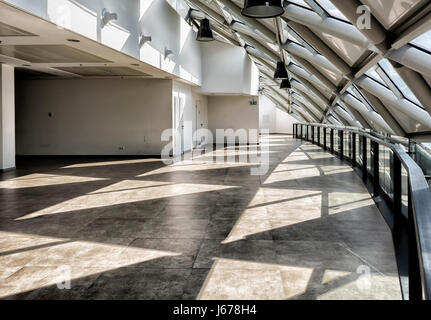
[49,54]
[27,74]
[104,71]
[9,31]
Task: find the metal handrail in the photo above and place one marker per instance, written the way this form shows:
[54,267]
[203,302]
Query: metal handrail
[419,217]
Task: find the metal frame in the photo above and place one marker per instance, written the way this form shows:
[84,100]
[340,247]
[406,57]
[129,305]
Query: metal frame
[413,229]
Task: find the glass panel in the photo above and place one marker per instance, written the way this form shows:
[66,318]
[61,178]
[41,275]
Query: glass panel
[321,136]
[423,41]
[371,157]
[328,138]
[423,158]
[300,2]
[385,170]
[347,145]
[336,141]
[359,149]
[375,76]
[332,10]
[404,191]
[401,85]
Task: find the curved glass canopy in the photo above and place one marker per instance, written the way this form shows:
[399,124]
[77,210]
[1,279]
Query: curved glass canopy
[380,76]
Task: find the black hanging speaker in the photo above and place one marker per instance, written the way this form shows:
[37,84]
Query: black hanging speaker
[205,33]
[281,72]
[285,84]
[261,9]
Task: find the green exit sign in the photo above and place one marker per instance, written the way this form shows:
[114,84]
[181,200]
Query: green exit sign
[253,103]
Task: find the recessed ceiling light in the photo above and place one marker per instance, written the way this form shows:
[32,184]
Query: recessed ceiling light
[73,40]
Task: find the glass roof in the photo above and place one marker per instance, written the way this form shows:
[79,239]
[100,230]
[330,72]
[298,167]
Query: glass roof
[375,76]
[423,41]
[332,10]
[398,81]
[301,3]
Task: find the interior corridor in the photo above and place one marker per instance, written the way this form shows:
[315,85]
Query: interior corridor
[137,229]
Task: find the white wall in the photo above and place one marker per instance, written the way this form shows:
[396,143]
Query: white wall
[232,112]
[92,117]
[267,115]
[155,18]
[194,112]
[7,117]
[284,122]
[227,69]
[274,119]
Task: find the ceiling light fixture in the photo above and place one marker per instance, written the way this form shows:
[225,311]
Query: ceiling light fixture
[205,33]
[168,53]
[285,84]
[262,9]
[281,72]
[108,17]
[143,39]
[74,40]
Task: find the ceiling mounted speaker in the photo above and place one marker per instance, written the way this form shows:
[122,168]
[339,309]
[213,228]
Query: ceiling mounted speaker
[261,9]
[281,72]
[285,84]
[205,33]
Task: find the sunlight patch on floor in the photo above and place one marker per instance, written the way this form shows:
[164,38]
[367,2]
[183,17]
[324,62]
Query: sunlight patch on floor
[365,287]
[243,280]
[49,265]
[43,180]
[110,163]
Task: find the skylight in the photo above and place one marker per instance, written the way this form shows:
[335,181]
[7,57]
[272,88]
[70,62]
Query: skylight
[398,81]
[423,41]
[375,76]
[332,10]
[301,3]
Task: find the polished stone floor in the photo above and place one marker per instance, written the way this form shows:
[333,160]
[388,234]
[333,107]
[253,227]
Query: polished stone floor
[198,229]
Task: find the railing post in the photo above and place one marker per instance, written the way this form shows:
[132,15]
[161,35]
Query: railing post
[318,137]
[353,149]
[324,138]
[376,163]
[306,132]
[415,285]
[312,133]
[364,159]
[341,135]
[332,140]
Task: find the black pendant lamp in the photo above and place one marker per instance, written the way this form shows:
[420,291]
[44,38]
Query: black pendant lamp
[205,33]
[261,9]
[281,72]
[285,84]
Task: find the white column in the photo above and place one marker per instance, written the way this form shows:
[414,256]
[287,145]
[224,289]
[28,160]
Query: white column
[7,117]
